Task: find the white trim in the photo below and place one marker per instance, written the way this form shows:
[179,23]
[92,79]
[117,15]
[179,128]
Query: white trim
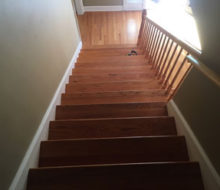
[32,155]
[79,7]
[210,176]
[103,8]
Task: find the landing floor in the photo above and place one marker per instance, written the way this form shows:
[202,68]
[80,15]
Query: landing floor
[109,28]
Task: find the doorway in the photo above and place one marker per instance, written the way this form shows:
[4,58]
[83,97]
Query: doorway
[133,4]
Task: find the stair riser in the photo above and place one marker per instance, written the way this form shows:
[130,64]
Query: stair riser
[111,86]
[110,52]
[111,59]
[110,111]
[111,128]
[107,54]
[84,77]
[114,64]
[99,70]
[112,151]
[68,100]
[114,97]
[152,177]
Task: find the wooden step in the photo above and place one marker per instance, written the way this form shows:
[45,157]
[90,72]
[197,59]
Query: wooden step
[112,151]
[108,46]
[110,52]
[111,110]
[112,86]
[108,55]
[150,176]
[155,95]
[112,59]
[113,64]
[114,76]
[110,69]
[101,128]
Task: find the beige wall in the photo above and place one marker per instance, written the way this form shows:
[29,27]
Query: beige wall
[102,2]
[199,101]
[198,98]
[37,41]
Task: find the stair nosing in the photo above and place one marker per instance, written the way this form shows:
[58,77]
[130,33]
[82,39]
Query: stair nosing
[118,164]
[117,138]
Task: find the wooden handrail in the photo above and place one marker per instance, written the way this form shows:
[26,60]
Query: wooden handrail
[204,69]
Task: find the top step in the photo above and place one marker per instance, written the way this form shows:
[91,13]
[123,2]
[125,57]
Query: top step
[110,52]
[114,46]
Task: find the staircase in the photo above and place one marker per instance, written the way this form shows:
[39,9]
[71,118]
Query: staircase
[112,131]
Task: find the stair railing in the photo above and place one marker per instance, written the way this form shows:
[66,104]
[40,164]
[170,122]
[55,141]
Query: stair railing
[166,53]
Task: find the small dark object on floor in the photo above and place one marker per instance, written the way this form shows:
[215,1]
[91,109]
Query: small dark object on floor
[133,52]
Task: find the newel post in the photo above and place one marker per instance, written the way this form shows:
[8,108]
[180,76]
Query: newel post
[143,21]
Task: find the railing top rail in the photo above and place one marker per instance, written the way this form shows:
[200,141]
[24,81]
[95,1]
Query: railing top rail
[205,70]
[183,44]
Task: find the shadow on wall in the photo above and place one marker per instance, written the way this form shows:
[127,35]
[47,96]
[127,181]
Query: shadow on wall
[207,16]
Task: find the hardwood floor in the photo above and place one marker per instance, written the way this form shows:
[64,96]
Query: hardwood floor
[109,28]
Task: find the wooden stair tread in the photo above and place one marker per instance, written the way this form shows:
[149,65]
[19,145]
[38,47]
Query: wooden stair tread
[111,52]
[146,68]
[122,63]
[111,110]
[111,86]
[112,58]
[112,150]
[109,69]
[114,76]
[108,46]
[154,95]
[112,127]
[151,176]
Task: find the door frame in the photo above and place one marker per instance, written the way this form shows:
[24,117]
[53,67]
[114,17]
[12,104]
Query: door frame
[127,7]
[79,6]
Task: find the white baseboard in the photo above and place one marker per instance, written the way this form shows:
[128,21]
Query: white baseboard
[102,8]
[31,157]
[210,176]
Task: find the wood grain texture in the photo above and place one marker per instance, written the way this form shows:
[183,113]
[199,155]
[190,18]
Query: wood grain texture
[113,127]
[110,51]
[112,76]
[112,86]
[97,70]
[111,110]
[109,28]
[154,95]
[110,59]
[112,151]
